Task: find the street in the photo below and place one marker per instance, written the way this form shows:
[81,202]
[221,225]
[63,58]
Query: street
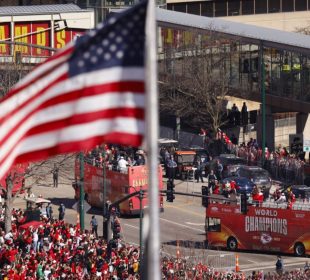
[181,226]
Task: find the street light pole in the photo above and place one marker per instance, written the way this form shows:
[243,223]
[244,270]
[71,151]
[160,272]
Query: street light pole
[105,206]
[82,195]
[141,224]
[263,96]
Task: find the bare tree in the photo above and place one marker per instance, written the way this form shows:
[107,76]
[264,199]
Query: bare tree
[10,74]
[194,80]
[304,30]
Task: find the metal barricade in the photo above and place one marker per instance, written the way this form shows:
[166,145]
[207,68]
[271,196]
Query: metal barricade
[222,262]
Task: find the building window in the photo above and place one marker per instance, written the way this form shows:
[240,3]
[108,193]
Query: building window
[287,5]
[233,7]
[220,8]
[260,6]
[247,7]
[193,8]
[274,6]
[170,7]
[180,7]
[207,9]
[301,5]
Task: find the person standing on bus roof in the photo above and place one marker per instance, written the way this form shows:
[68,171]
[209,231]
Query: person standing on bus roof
[219,169]
[290,199]
[217,188]
[257,196]
[211,179]
[139,161]
[122,165]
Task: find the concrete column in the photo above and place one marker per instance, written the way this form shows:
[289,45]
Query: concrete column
[269,129]
[303,127]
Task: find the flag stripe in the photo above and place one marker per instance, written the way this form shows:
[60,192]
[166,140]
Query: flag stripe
[17,102]
[65,110]
[41,70]
[9,102]
[64,86]
[75,133]
[82,132]
[87,117]
[91,91]
[104,98]
[112,75]
[91,104]
[124,139]
[89,143]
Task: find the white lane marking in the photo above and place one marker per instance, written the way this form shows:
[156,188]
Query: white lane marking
[181,225]
[128,225]
[252,261]
[194,224]
[268,267]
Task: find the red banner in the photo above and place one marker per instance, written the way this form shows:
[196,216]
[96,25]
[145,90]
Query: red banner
[37,33]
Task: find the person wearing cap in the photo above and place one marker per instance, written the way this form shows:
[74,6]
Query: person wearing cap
[122,165]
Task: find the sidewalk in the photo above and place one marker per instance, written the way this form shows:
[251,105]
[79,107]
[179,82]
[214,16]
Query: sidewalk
[63,194]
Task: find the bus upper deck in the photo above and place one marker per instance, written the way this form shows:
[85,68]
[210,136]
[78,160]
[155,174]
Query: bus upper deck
[118,185]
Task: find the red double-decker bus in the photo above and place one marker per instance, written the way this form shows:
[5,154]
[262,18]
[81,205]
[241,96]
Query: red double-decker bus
[118,186]
[269,227]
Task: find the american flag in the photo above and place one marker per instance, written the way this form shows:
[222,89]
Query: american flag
[90,92]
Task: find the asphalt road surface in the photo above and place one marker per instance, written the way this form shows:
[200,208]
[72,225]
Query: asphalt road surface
[181,227]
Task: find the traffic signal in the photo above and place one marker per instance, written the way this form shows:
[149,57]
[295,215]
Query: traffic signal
[205,199]
[244,203]
[170,191]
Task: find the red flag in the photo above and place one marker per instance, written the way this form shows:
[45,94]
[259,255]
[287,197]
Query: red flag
[90,92]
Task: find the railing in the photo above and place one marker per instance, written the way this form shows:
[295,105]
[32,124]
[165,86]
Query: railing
[299,204]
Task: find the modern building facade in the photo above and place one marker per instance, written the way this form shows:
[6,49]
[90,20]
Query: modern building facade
[223,8]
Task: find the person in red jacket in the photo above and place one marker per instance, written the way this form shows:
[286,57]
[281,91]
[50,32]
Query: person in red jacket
[257,196]
[217,188]
[290,199]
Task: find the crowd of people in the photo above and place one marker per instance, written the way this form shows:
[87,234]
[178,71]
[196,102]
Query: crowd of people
[282,165]
[115,157]
[57,250]
[54,249]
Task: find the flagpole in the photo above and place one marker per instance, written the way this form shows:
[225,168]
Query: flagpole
[152,253]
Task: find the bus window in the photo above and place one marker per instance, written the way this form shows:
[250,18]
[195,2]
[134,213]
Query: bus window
[214,224]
